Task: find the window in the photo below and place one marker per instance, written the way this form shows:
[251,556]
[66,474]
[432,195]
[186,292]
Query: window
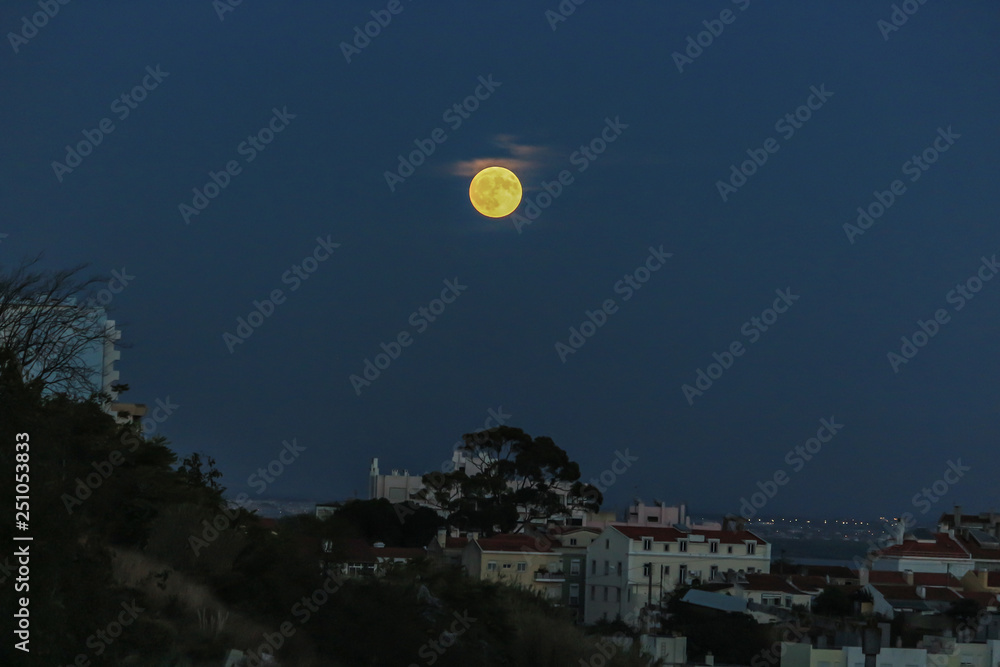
[713,572]
[618,595]
[652,519]
[506,566]
[491,566]
[620,570]
[574,566]
[572,541]
[607,544]
[645,569]
[666,547]
[593,592]
[682,571]
[574,594]
[751,547]
[682,545]
[788,600]
[751,570]
[593,567]
[666,572]
[605,593]
[607,568]
[521,567]
[647,543]
[713,547]
[730,550]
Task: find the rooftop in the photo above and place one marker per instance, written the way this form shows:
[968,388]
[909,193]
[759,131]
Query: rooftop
[663,534]
[769,582]
[513,543]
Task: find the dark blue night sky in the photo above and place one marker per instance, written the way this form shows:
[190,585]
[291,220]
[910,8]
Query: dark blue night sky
[680,125]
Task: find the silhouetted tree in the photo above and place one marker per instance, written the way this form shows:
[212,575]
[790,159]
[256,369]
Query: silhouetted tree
[833,601]
[518,478]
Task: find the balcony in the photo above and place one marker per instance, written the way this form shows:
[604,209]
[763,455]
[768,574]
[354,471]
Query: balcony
[550,577]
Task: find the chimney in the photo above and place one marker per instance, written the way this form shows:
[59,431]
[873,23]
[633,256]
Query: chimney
[958,516]
[908,576]
[921,591]
[900,531]
[863,576]
[984,578]
[442,536]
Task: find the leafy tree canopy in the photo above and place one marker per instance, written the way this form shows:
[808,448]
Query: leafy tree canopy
[516,479]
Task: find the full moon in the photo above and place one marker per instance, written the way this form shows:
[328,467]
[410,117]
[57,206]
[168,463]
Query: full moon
[495,192]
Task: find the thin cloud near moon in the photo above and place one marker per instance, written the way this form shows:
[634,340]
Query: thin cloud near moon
[525,160]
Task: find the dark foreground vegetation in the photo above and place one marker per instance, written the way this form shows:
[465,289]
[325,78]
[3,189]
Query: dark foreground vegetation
[134,561]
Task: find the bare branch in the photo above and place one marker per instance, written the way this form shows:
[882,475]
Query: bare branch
[52,336]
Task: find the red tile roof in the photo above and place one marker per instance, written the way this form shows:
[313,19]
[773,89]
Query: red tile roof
[809,583]
[978,552]
[769,582]
[663,534]
[883,577]
[893,592]
[514,543]
[455,542]
[931,593]
[935,579]
[943,547]
[919,578]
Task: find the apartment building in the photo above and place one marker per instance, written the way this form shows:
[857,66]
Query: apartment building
[517,560]
[629,566]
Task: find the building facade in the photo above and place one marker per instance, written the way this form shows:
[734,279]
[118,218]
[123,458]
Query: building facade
[517,560]
[629,567]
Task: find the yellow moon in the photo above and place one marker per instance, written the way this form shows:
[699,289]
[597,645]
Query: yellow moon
[495,192]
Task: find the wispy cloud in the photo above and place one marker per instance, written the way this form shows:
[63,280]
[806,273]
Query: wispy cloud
[523,159]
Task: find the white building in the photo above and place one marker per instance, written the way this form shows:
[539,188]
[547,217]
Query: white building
[956,552]
[629,566]
[396,487]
